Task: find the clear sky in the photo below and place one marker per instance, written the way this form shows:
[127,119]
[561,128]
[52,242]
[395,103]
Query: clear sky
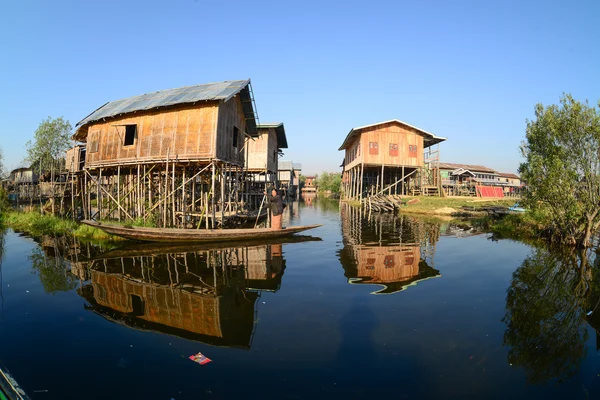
[470,71]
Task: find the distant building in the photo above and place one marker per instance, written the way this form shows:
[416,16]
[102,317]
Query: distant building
[289,177]
[310,184]
[463,179]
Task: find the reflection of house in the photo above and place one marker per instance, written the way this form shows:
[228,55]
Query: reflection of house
[264,267]
[388,156]
[191,295]
[394,267]
[387,251]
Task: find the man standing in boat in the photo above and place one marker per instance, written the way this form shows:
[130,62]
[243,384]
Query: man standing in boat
[276,205]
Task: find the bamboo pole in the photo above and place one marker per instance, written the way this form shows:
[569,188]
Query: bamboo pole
[212,198]
[165,192]
[173,191]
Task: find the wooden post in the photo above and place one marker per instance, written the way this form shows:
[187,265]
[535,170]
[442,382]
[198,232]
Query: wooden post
[183,205]
[212,195]
[362,171]
[166,191]
[222,177]
[173,195]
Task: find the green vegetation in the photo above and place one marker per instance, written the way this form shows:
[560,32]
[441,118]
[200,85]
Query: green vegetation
[449,205]
[329,182]
[562,170]
[37,225]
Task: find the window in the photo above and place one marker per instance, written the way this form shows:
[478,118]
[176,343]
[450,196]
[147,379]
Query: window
[393,149]
[236,133]
[373,148]
[412,150]
[130,134]
[93,142]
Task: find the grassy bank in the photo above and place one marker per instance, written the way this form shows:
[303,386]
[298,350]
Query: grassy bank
[36,224]
[451,205]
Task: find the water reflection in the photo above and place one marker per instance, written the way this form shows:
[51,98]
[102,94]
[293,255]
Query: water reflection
[546,307]
[387,250]
[194,292]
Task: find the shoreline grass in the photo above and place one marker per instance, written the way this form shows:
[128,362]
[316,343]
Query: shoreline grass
[37,224]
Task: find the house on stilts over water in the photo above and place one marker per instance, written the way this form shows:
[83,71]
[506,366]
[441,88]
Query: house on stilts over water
[174,157]
[390,158]
[262,162]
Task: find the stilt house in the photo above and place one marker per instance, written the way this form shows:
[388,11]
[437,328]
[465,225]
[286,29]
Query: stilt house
[390,157]
[175,157]
[263,153]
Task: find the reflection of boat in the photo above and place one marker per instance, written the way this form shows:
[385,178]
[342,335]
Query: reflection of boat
[147,249]
[195,235]
[9,388]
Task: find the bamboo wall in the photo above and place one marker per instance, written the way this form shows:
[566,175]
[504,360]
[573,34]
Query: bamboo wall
[262,151]
[184,132]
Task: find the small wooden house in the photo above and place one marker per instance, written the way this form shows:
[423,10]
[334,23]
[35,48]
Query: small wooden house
[310,184]
[175,156]
[388,157]
[263,155]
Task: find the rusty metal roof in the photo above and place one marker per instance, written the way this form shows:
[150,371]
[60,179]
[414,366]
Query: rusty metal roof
[219,91]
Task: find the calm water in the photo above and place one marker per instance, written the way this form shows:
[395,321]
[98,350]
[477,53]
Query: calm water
[385,305]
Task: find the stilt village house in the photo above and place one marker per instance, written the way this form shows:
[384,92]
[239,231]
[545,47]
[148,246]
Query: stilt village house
[175,156]
[264,151]
[390,157]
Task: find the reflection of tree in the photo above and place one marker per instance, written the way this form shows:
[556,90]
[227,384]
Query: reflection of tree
[2,235]
[53,271]
[545,314]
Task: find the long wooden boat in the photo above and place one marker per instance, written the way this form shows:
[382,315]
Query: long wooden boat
[9,388]
[194,235]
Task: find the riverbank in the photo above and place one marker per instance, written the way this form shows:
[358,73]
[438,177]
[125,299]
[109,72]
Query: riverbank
[36,224]
[452,206]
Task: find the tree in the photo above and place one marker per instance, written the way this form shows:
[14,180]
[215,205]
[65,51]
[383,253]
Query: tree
[562,169]
[329,181]
[50,141]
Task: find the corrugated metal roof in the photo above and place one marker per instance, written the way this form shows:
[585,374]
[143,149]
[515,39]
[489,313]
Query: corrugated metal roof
[297,167]
[508,175]
[470,167]
[429,139]
[185,95]
[279,131]
[285,165]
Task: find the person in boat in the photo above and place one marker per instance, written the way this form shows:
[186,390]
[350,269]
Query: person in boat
[276,205]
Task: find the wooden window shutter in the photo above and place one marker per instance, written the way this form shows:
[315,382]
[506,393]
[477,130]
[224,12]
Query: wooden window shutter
[393,149]
[373,148]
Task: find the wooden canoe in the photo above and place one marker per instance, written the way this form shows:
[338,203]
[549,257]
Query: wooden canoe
[194,235]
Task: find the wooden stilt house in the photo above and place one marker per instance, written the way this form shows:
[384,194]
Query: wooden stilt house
[263,155]
[174,157]
[390,157]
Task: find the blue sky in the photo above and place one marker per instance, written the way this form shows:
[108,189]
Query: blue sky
[470,71]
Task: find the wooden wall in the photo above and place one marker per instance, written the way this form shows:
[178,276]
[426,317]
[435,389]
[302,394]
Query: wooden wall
[262,151]
[231,115]
[384,135]
[185,132]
